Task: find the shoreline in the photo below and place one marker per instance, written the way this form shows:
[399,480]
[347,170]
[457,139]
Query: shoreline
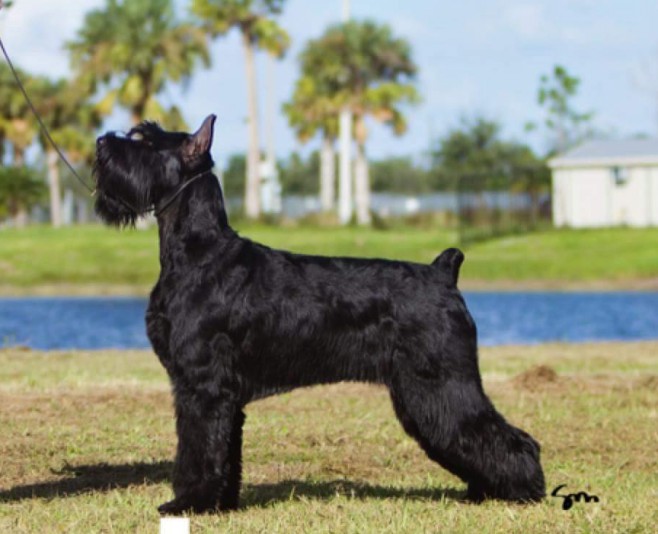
[469,285]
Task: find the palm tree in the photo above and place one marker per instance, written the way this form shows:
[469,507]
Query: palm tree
[16,126]
[254,20]
[71,122]
[309,113]
[133,48]
[8,91]
[361,65]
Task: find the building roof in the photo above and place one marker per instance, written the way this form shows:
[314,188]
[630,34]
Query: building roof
[610,153]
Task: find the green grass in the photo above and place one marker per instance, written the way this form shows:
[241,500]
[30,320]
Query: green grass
[87,440]
[568,255]
[80,256]
[95,259]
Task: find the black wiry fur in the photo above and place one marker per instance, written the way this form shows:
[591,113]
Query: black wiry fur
[233,321]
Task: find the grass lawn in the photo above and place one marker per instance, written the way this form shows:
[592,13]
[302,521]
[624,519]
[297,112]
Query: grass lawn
[87,440]
[97,260]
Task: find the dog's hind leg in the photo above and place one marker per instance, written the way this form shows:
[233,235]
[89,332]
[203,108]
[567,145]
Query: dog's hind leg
[229,465]
[458,427]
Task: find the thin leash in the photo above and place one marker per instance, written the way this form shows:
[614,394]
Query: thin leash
[158,211]
[154,209]
[41,124]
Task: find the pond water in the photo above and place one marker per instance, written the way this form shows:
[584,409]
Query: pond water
[502,318]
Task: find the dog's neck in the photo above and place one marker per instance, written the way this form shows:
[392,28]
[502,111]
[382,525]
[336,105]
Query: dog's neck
[195,223]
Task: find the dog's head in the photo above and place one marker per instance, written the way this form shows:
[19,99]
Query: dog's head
[135,172]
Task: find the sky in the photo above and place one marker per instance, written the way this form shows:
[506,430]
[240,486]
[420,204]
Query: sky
[475,57]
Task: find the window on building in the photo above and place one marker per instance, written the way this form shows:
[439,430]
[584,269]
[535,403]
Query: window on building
[619,175]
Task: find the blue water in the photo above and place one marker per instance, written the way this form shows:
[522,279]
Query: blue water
[502,318]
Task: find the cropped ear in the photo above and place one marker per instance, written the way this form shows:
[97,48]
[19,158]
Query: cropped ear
[199,142]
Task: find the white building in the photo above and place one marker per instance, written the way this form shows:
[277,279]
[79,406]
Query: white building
[607,183]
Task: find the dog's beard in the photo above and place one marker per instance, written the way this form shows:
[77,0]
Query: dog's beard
[120,199]
[113,211]
[123,194]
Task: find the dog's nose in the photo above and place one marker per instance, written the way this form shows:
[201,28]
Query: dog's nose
[100,141]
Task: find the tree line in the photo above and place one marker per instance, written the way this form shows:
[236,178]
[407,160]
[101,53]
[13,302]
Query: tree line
[474,148]
[127,52]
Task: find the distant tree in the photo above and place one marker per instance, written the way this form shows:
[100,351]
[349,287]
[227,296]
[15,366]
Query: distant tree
[16,126]
[233,176]
[567,126]
[297,174]
[258,29]
[475,148]
[133,49]
[310,112]
[473,158]
[399,175]
[174,120]
[363,66]
[5,95]
[20,189]
[71,122]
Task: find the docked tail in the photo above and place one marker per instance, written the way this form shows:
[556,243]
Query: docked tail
[449,262]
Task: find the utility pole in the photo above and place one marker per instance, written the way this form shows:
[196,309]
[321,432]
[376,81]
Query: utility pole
[345,148]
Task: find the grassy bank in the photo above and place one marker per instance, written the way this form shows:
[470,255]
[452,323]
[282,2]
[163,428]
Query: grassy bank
[96,260]
[88,437]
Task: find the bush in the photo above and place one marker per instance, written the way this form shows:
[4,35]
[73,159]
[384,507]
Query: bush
[20,189]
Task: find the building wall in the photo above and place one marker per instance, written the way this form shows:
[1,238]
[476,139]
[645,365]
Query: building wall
[581,198]
[652,196]
[590,197]
[559,197]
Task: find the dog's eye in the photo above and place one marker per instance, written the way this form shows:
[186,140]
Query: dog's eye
[136,135]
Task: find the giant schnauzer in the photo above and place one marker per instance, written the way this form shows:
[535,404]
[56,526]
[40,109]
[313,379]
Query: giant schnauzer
[233,321]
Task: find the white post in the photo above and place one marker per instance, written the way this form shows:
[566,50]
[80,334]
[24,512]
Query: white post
[271,107]
[345,148]
[174,525]
[346,10]
[345,167]
[327,174]
[270,186]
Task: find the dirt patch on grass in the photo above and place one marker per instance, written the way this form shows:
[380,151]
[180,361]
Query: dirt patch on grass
[543,380]
[536,378]
[648,382]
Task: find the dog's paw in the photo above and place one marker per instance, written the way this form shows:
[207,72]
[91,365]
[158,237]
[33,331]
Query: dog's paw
[174,507]
[475,494]
[188,503]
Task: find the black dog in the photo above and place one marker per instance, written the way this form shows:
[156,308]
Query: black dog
[233,321]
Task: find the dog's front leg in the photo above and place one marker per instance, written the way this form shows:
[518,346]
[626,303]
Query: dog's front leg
[158,329]
[207,469]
